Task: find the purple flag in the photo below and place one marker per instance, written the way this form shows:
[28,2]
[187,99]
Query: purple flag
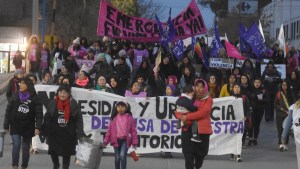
[215,43]
[244,47]
[256,41]
[168,33]
[178,49]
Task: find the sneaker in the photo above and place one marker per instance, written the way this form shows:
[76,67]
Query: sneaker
[255,142]
[281,147]
[196,139]
[239,158]
[250,143]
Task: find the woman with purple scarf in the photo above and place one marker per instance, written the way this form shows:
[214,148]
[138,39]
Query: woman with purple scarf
[23,119]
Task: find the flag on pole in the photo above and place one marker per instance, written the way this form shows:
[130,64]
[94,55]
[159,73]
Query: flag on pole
[256,41]
[201,55]
[261,30]
[215,43]
[157,62]
[244,47]
[281,40]
[168,33]
[233,52]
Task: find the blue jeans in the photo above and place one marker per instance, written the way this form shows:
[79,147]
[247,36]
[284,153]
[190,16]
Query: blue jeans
[16,150]
[120,154]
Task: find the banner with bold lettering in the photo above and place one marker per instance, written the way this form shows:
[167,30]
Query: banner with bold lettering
[224,63]
[113,23]
[156,124]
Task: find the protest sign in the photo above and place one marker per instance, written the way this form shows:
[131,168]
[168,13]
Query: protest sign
[224,63]
[113,23]
[155,122]
[280,67]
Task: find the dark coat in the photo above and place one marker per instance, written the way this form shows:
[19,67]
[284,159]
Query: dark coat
[12,87]
[23,117]
[123,74]
[62,138]
[101,69]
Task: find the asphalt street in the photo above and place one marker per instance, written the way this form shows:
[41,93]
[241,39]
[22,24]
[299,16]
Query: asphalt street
[263,156]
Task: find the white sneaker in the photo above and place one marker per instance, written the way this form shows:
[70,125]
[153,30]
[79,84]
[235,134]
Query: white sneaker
[281,147]
[239,158]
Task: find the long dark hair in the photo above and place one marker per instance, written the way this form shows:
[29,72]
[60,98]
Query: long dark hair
[30,85]
[115,112]
[228,85]
[289,95]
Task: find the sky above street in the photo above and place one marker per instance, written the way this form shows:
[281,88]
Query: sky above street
[179,5]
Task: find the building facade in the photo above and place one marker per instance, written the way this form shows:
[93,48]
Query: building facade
[284,12]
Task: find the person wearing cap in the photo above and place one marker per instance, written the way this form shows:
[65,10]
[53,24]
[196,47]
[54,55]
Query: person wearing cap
[101,67]
[23,119]
[122,53]
[13,84]
[122,71]
[121,133]
[293,119]
[194,152]
[76,50]
[63,126]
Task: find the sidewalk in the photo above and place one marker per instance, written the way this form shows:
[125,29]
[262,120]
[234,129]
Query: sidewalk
[4,80]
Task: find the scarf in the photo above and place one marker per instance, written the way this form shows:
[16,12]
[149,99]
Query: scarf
[82,83]
[98,87]
[23,96]
[212,89]
[64,106]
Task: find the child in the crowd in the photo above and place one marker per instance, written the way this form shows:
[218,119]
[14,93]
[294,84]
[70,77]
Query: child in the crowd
[170,90]
[185,105]
[236,92]
[121,133]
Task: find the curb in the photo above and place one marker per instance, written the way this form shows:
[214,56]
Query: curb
[4,84]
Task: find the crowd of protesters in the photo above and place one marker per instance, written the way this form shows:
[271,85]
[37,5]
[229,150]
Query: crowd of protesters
[126,68]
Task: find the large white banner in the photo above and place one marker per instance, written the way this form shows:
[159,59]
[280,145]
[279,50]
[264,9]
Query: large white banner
[156,124]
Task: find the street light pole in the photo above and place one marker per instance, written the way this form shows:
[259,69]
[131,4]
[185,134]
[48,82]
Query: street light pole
[35,16]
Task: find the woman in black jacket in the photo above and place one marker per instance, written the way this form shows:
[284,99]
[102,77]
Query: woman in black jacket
[258,98]
[23,118]
[63,126]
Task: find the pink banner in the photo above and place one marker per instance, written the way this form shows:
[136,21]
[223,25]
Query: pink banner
[115,24]
[232,51]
